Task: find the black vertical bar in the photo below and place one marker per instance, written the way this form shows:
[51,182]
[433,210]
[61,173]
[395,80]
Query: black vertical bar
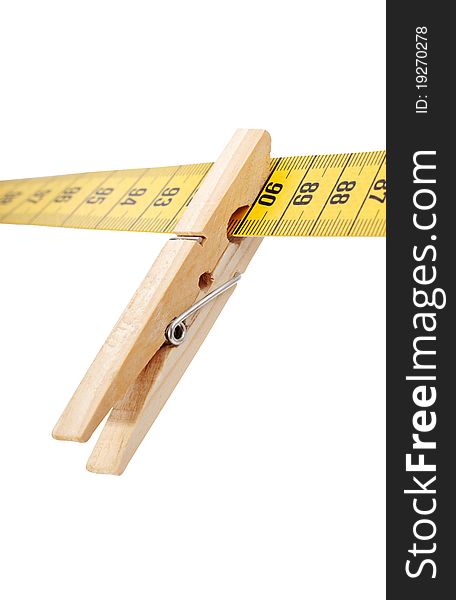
[421,237]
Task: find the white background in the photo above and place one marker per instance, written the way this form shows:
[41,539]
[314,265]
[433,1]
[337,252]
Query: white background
[263,478]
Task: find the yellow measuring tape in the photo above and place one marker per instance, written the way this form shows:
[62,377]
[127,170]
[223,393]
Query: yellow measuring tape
[325,195]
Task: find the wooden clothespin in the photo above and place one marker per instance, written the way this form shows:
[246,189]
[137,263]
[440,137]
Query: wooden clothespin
[162,328]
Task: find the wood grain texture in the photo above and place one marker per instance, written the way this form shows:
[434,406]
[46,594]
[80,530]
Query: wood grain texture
[134,357]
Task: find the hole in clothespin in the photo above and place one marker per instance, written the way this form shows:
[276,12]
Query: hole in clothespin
[205,281]
[234,221]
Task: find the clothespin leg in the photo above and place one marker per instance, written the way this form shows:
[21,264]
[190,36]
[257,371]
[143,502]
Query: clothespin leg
[130,419]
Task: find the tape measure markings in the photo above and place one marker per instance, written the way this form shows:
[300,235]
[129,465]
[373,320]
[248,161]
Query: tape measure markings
[367,195]
[297,223]
[92,193]
[248,230]
[59,201]
[34,196]
[314,225]
[136,192]
[337,195]
[160,220]
[118,187]
[9,197]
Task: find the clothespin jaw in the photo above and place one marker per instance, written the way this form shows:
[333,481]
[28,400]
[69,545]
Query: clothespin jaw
[137,369]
